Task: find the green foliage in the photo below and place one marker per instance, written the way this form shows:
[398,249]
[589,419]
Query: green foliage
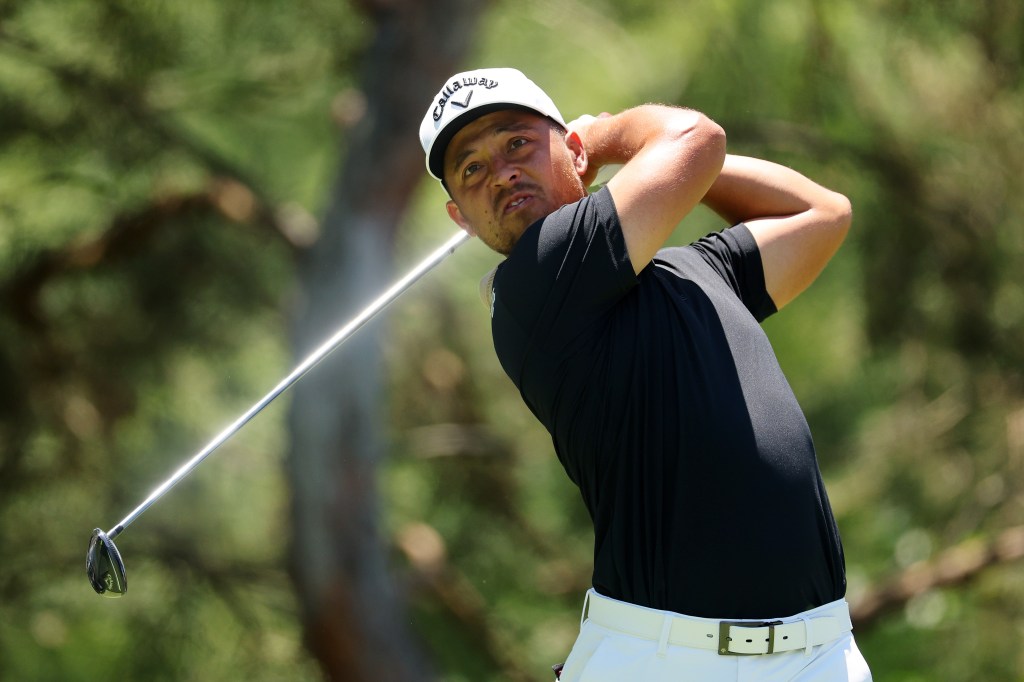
[143,308]
[142,312]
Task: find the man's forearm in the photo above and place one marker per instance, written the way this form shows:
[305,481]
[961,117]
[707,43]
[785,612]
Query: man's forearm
[749,188]
[796,223]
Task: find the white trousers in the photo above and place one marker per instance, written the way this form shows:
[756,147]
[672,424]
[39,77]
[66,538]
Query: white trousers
[605,653]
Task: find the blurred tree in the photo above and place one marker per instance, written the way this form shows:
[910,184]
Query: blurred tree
[149,216]
[354,617]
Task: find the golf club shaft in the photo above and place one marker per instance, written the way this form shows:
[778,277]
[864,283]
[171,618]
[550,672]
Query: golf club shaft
[319,354]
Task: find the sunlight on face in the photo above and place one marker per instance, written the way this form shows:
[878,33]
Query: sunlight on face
[507,170]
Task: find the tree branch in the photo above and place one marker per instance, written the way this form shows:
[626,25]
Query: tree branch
[131,231]
[117,96]
[955,566]
[425,551]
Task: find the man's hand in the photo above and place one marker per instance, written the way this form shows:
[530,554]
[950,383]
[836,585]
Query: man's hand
[582,126]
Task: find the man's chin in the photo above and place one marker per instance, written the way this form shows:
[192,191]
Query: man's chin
[511,229]
[520,222]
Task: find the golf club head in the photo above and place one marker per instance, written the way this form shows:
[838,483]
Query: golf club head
[104,566]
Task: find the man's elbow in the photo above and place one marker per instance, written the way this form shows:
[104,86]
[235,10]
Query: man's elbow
[711,140]
[701,144]
[840,213]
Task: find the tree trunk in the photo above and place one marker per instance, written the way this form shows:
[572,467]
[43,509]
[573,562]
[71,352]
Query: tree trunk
[354,620]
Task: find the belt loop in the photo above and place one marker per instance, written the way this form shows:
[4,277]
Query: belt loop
[807,635]
[666,630]
[586,601]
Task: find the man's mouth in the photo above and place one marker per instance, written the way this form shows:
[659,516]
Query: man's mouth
[516,202]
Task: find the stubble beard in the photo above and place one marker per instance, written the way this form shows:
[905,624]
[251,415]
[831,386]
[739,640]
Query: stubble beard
[504,238]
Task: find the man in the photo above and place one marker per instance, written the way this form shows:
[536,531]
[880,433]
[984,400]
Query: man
[665,402]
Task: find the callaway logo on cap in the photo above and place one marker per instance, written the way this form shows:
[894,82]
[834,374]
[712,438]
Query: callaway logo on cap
[470,95]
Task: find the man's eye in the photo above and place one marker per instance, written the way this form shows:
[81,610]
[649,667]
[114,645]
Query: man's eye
[470,169]
[516,143]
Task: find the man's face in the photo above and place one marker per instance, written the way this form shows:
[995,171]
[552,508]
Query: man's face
[507,170]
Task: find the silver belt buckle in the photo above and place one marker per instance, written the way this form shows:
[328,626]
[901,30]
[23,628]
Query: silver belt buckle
[725,630]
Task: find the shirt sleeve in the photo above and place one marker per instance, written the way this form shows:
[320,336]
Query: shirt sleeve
[733,254]
[563,275]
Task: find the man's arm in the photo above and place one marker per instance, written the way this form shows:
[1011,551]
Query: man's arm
[671,157]
[798,224]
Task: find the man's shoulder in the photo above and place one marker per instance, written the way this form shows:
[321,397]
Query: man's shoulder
[728,258]
[721,250]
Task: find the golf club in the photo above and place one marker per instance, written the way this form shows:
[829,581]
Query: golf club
[103,562]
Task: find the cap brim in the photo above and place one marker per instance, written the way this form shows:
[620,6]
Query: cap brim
[435,162]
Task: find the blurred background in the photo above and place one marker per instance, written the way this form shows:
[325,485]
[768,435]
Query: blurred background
[195,194]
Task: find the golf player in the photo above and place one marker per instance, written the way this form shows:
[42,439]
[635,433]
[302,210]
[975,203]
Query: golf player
[716,555]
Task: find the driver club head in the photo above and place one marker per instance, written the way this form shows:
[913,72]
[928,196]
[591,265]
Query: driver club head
[104,566]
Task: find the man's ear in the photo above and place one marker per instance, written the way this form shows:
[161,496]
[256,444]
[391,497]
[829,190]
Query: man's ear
[456,215]
[581,162]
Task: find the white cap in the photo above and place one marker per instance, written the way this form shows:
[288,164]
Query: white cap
[469,95]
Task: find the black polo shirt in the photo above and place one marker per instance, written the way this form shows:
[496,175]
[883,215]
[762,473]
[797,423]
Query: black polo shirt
[668,408]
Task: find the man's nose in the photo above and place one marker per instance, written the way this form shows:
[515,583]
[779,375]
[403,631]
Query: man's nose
[505,172]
